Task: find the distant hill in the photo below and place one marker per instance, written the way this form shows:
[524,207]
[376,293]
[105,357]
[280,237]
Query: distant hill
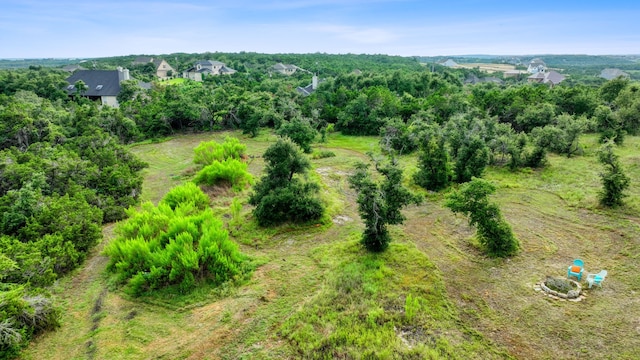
[25,63]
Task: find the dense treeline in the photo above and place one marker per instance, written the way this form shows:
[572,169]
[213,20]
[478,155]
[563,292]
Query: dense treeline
[66,157]
[62,175]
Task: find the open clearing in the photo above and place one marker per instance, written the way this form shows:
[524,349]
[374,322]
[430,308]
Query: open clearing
[490,68]
[477,307]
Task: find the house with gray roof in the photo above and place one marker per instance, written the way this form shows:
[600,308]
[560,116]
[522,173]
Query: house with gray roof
[162,68]
[101,85]
[551,78]
[611,74]
[284,69]
[72,68]
[206,67]
[536,66]
[309,89]
[448,63]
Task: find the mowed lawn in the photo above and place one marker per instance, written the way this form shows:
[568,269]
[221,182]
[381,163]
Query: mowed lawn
[318,294]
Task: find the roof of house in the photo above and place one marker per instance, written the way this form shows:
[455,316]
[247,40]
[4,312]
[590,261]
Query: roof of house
[158,62]
[73,67]
[537,62]
[305,91]
[227,70]
[611,74]
[448,63]
[99,82]
[473,79]
[552,77]
[142,60]
[282,67]
[209,63]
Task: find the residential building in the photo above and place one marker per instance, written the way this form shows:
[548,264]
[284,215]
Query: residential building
[309,89]
[101,85]
[73,68]
[611,74]
[551,78]
[162,68]
[536,65]
[448,63]
[206,67]
[284,69]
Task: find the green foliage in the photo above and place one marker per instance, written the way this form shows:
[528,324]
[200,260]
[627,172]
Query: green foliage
[494,233]
[231,171]
[614,180]
[281,197]
[411,307]
[322,154]
[609,125]
[186,193]
[207,152]
[379,204]
[434,170]
[609,91]
[300,132]
[473,157]
[564,137]
[177,247]
[23,315]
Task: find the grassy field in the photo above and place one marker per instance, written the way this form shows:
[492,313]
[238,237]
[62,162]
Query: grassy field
[432,294]
[490,68]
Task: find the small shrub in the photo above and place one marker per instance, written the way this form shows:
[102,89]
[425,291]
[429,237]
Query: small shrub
[230,170]
[187,192]
[411,307]
[322,154]
[209,151]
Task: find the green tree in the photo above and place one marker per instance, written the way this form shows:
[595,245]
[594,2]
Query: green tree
[283,193]
[434,170]
[379,204]
[614,180]
[494,233]
[300,131]
[473,157]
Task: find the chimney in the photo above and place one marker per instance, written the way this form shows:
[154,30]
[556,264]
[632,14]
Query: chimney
[123,74]
[314,82]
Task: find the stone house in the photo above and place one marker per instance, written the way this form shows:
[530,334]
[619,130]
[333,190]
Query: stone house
[206,67]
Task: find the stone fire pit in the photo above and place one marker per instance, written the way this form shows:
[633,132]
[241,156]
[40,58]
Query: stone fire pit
[561,289]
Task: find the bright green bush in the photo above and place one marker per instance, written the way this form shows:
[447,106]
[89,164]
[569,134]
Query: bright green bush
[230,170]
[173,247]
[187,192]
[209,151]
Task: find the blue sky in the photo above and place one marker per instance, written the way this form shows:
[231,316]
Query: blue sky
[63,28]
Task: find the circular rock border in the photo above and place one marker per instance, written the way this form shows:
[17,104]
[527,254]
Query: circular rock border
[541,287]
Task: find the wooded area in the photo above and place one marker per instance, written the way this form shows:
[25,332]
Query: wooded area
[66,168]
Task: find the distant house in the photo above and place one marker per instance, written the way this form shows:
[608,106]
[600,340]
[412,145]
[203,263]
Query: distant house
[552,78]
[284,69]
[448,63]
[473,79]
[162,68]
[142,60]
[356,72]
[72,68]
[309,89]
[513,73]
[206,67]
[536,65]
[611,74]
[101,85]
